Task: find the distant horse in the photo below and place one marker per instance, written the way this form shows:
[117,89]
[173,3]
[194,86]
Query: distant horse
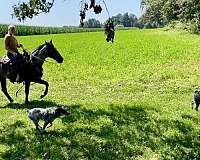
[110,32]
[32,70]
[110,36]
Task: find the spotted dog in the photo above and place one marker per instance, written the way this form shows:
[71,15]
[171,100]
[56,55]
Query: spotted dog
[48,115]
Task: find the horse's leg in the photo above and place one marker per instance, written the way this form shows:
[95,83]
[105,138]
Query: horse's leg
[113,35]
[4,89]
[46,89]
[27,86]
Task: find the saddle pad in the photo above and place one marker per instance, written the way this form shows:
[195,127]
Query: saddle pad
[4,60]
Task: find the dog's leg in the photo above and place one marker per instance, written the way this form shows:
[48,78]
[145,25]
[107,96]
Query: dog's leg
[193,103]
[37,126]
[50,125]
[197,106]
[45,124]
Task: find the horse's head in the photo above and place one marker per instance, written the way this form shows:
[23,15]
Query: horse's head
[52,52]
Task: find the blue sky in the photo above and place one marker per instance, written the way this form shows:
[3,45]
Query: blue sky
[66,12]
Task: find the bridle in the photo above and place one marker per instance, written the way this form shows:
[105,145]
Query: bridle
[43,60]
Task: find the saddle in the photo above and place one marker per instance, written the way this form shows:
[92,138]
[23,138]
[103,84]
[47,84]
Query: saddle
[4,60]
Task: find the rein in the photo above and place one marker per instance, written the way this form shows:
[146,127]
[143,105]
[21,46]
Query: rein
[43,60]
[16,94]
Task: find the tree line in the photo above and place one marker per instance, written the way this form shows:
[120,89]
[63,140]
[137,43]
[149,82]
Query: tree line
[23,30]
[120,20]
[172,12]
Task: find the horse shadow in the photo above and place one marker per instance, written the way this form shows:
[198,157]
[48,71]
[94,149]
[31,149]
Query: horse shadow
[37,104]
[32,104]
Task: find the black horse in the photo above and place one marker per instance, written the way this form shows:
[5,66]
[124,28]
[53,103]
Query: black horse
[32,69]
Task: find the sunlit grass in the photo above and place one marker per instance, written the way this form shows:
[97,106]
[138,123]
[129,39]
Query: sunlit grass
[128,100]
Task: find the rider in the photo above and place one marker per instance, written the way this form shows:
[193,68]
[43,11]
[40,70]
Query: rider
[11,45]
[109,30]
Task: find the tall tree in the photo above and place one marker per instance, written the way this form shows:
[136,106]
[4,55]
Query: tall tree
[153,12]
[92,23]
[166,11]
[117,19]
[133,20]
[126,20]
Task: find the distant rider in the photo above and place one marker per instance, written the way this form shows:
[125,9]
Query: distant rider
[11,45]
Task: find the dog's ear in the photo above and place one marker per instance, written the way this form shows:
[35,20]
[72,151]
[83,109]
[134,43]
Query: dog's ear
[59,106]
[57,112]
[61,111]
[196,91]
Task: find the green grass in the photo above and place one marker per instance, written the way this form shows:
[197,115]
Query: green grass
[128,100]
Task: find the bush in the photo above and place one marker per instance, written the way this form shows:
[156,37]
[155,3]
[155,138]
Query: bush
[191,26]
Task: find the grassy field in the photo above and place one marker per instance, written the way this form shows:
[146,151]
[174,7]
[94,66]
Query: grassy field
[128,100]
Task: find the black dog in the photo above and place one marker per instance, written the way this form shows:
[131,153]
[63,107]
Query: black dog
[48,115]
[196,99]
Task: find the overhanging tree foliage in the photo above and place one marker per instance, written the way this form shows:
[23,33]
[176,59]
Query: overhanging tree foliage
[153,12]
[31,8]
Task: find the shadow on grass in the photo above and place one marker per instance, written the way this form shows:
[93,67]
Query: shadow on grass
[32,104]
[120,132]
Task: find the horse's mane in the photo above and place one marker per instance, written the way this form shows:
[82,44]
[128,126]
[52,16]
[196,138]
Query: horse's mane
[38,48]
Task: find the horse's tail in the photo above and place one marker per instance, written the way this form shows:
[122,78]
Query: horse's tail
[3,70]
[6,70]
[1,74]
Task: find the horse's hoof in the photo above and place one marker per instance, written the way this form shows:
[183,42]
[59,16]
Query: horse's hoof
[11,100]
